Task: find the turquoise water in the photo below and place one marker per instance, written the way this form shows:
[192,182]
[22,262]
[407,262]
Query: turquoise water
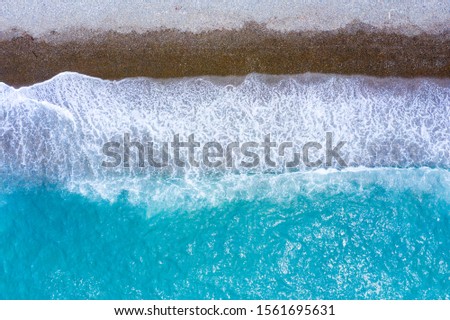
[377,229]
[367,235]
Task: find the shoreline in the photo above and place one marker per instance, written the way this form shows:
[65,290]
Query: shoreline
[170,53]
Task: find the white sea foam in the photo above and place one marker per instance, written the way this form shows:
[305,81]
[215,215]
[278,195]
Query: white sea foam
[41,17]
[55,130]
[194,193]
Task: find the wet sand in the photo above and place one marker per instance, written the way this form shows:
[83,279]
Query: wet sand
[25,60]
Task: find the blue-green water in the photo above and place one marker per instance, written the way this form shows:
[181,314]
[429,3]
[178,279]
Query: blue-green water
[370,234]
[376,229]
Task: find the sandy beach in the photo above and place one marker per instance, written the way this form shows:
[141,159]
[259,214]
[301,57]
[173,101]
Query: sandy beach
[170,53]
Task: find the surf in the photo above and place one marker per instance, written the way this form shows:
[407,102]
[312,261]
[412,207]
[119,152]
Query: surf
[55,129]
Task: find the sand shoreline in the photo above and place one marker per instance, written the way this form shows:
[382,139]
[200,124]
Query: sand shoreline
[26,60]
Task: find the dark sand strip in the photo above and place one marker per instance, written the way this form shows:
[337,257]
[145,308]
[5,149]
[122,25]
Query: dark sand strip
[171,53]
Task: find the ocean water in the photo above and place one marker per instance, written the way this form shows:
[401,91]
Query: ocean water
[377,228]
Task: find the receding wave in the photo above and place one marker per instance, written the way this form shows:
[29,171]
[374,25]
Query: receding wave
[54,131]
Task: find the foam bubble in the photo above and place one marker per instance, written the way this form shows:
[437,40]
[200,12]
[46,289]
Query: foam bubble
[55,130]
[192,193]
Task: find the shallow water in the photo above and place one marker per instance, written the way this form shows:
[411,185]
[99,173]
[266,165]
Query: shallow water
[378,229]
[369,235]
